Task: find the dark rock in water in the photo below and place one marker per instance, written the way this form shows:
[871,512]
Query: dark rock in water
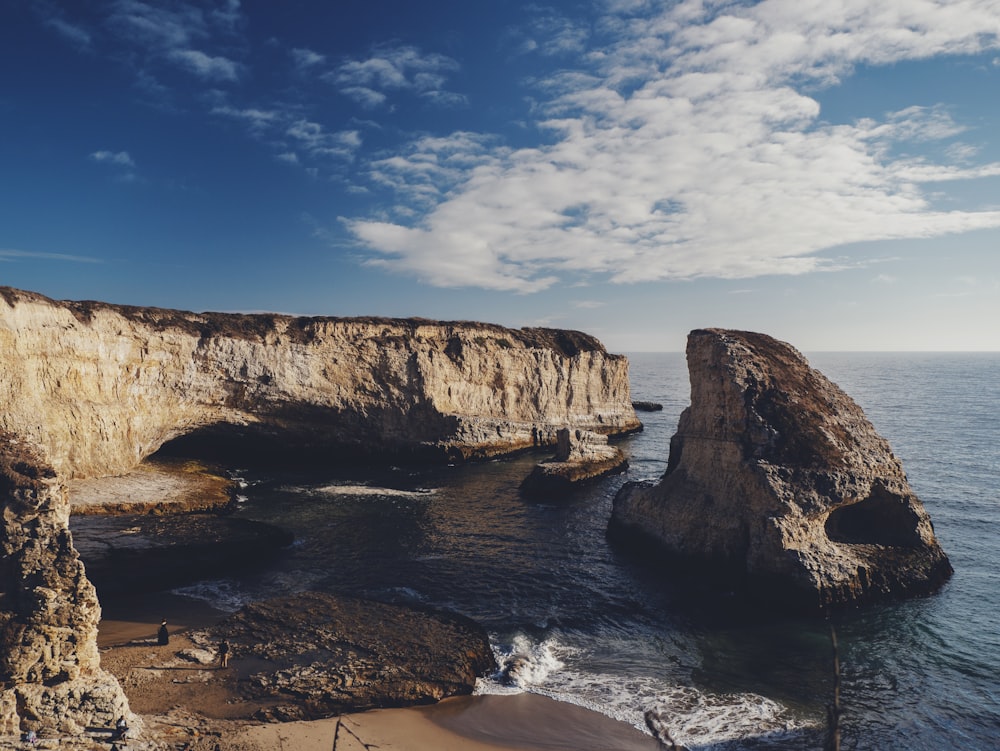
[777,481]
[314,655]
[143,553]
[640,406]
[580,456]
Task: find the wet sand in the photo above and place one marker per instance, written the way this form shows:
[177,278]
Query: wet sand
[183,701]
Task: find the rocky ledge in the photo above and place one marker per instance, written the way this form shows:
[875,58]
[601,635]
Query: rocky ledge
[580,456]
[314,655]
[777,482]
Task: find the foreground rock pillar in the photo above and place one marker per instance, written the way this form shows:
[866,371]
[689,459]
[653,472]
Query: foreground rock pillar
[777,481]
[50,674]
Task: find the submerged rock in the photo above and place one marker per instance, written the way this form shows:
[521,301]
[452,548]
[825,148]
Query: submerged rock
[777,481]
[314,655]
[145,553]
[580,456]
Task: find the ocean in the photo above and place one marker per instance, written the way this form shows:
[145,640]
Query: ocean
[578,619]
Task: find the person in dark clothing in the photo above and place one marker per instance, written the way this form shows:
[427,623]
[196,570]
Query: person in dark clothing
[162,636]
[224,653]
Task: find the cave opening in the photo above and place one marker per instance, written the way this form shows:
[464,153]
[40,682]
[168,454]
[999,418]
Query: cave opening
[882,518]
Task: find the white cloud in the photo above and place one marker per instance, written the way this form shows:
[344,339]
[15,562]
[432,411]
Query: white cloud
[319,142]
[395,69]
[306,58]
[10,254]
[75,34]
[204,66]
[685,146]
[117,158]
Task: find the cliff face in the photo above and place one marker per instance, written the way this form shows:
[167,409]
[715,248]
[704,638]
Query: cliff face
[101,386]
[776,477]
[50,674]
[89,389]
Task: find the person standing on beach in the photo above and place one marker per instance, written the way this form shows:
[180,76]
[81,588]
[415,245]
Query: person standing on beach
[162,636]
[224,653]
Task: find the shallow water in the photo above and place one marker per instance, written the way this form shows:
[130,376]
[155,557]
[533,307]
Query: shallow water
[586,624]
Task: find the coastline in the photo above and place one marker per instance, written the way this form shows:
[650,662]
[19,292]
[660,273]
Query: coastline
[181,696]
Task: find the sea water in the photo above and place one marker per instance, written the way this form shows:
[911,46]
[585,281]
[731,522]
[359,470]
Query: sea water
[576,618]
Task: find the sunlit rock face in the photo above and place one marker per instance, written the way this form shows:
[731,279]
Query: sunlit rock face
[90,390]
[778,481]
[50,674]
[101,386]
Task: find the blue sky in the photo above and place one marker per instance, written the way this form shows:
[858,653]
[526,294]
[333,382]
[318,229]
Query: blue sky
[826,172]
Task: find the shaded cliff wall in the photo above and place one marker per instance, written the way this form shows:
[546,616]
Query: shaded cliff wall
[102,386]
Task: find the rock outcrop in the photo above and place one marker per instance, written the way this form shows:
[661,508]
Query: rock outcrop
[581,455]
[50,673]
[102,386]
[777,480]
[90,390]
[315,655]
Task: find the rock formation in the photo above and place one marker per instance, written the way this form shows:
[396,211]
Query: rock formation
[581,455]
[50,674]
[91,389]
[103,386]
[777,479]
[314,655]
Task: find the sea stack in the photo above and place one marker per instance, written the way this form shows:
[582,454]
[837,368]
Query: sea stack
[50,669]
[778,482]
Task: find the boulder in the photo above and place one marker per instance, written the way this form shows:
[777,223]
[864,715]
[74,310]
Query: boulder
[777,482]
[580,456]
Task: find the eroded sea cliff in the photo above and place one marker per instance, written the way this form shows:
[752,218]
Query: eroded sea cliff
[90,389]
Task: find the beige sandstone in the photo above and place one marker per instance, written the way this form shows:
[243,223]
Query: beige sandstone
[777,479]
[90,390]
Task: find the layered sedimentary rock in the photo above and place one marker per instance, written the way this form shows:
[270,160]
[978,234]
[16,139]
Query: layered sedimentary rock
[103,386]
[90,390]
[777,479]
[581,455]
[50,674]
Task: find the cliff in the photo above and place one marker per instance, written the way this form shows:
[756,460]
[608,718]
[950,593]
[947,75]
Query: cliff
[777,480]
[103,386]
[90,389]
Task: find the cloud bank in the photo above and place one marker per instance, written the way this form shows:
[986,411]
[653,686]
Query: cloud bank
[682,143]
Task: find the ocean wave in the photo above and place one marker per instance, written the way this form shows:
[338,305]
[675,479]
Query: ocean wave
[355,489]
[677,713]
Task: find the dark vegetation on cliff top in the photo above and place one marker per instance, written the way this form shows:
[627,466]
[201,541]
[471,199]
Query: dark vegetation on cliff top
[259,326]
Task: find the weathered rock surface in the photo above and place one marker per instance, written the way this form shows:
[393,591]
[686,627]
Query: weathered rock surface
[777,478]
[641,406]
[314,655]
[103,386]
[157,486]
[146,553]
[581,455]
[96,388]
[50,673]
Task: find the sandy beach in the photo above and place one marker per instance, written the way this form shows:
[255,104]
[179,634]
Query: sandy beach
[183,696]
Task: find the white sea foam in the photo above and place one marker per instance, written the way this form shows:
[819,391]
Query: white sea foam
[685,714]
[353,489]
[222,594]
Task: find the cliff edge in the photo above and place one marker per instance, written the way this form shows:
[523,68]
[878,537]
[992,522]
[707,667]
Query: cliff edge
[90,389]
[103,386]
[778,481]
